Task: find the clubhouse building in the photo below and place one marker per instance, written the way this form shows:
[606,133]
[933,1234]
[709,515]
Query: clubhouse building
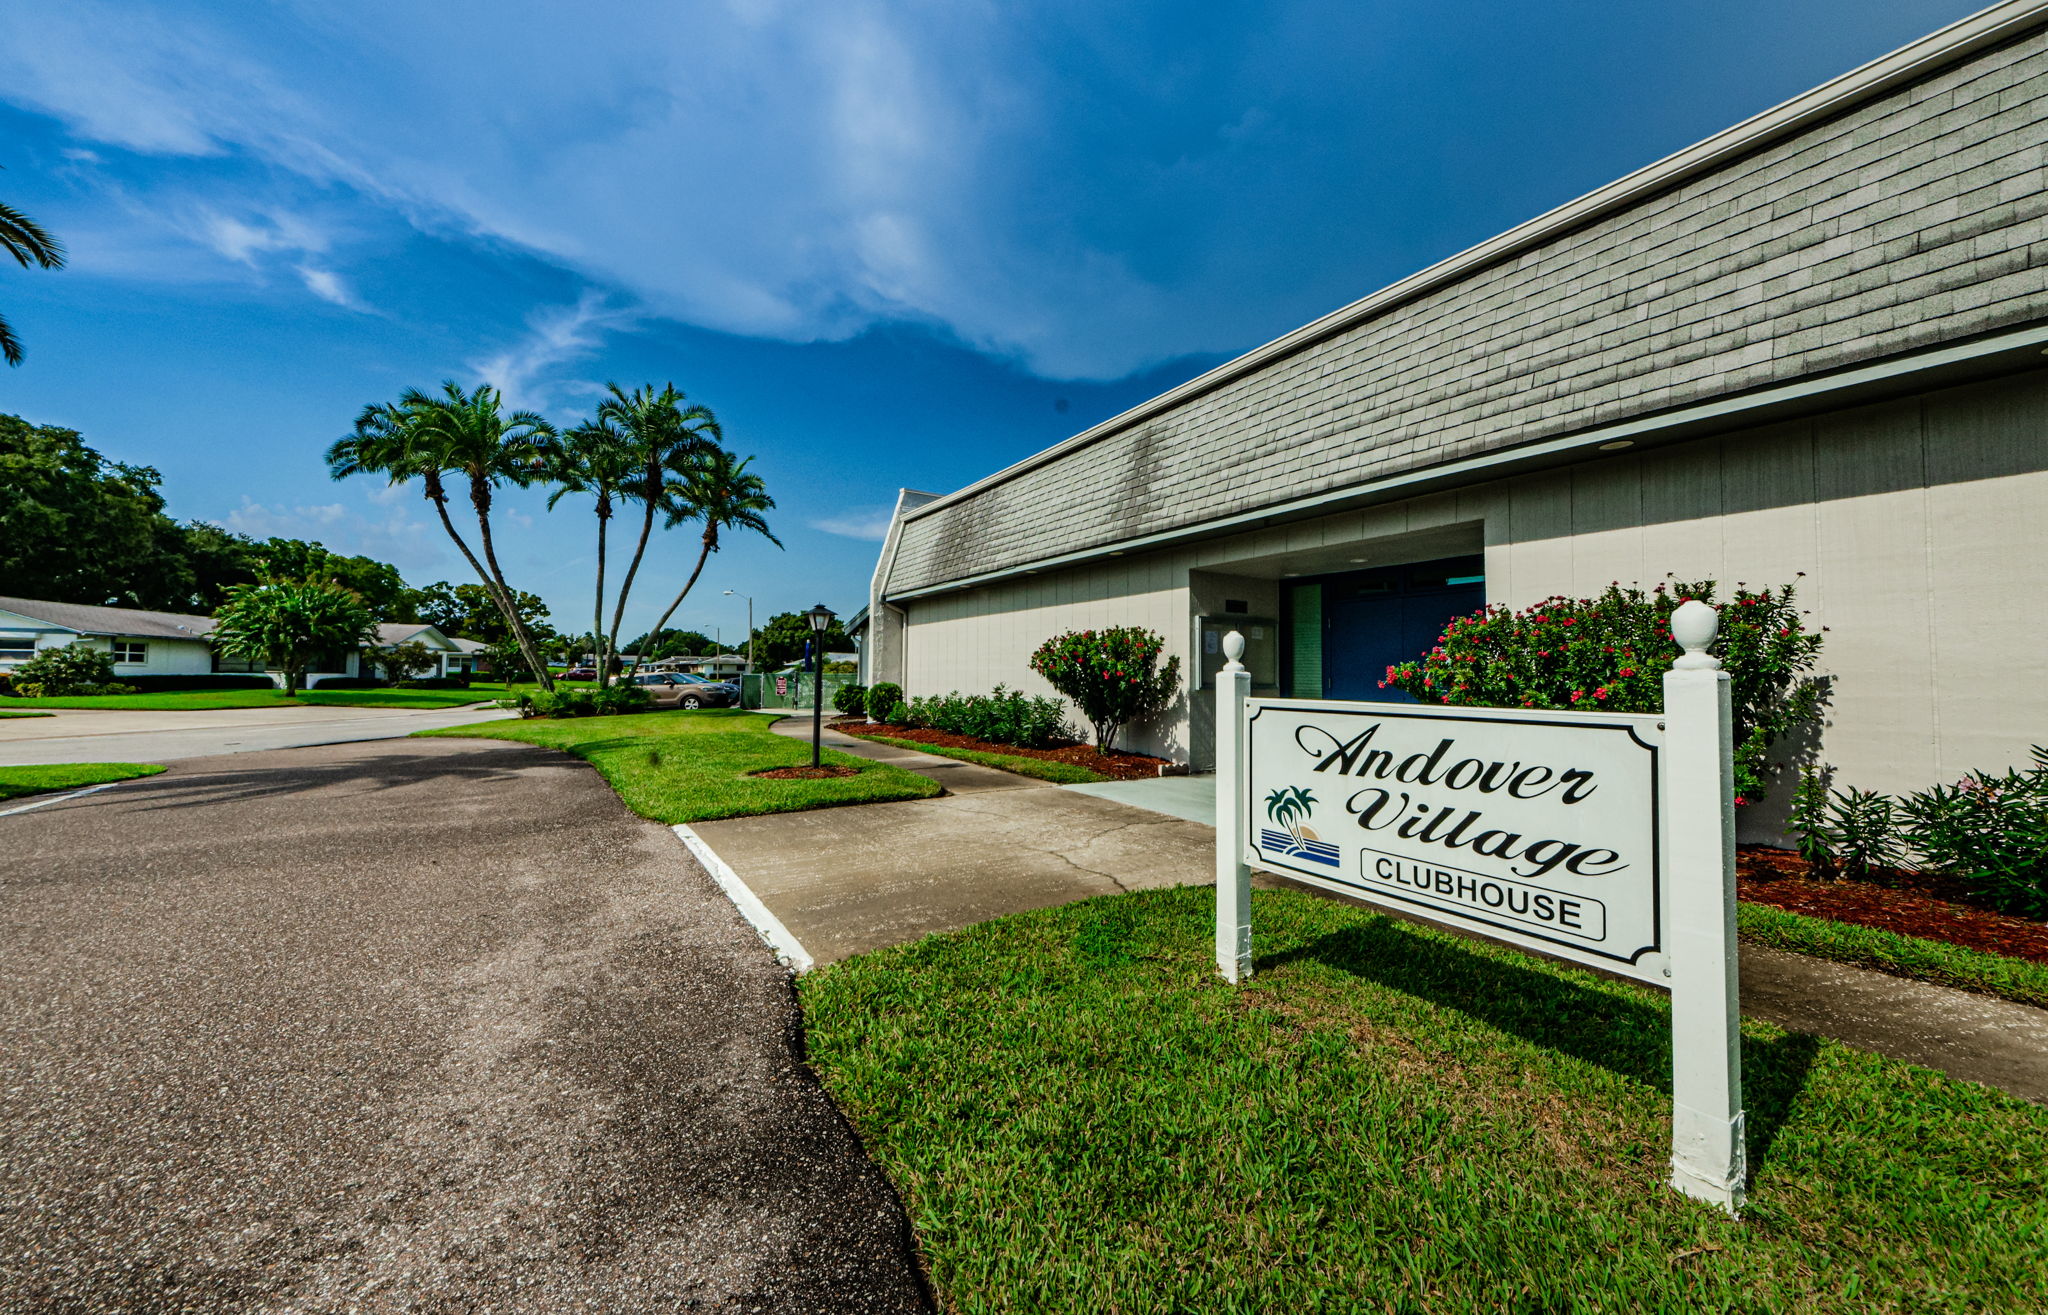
[1808,349]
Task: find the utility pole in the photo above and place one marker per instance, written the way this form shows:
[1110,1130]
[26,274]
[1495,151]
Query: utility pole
[734,593]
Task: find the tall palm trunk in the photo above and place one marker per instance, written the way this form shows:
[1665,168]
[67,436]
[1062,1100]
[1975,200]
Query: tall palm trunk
[626,585]
[480,498]
[710,546]
[597,638]
[438,495]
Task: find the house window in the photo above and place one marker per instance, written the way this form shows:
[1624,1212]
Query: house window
[17,648]
[130,650]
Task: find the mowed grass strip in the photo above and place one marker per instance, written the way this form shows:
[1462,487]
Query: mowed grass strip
[1081,1117]
[692,766]
[21,712]
[213,700]
[18,781]
[1044,769]
[1899,955]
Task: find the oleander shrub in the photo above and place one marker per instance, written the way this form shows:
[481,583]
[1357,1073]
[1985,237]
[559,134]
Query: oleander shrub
[1987,833]
[850,699]
[1610,653]
[1113,676]
[1006,716]
[77,668]
[881,699]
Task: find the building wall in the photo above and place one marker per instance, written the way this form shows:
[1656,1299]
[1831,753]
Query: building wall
[1915,530]
[166,657]
[1916,218]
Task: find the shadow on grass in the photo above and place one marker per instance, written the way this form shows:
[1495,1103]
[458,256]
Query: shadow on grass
[1627,1036]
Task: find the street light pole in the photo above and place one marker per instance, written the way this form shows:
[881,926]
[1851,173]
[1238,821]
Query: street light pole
[820,617]
[732,593]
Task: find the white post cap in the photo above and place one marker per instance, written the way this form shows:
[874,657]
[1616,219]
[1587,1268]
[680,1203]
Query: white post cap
[1694,625]
[1233,649]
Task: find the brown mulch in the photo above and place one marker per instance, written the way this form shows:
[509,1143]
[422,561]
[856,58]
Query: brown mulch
[1122,766]
[803,773]
[1910,903]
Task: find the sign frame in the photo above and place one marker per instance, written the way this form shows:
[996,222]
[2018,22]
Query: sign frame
[1692,830]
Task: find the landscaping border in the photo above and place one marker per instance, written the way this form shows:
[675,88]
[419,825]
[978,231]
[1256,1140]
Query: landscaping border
[1890,952]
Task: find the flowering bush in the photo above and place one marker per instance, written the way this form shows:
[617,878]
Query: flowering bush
[77,668]
[1989,834]
[1004,717]
[1112,676]
[1609,654]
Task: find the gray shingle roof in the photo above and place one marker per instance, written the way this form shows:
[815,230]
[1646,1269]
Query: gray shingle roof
[89,620]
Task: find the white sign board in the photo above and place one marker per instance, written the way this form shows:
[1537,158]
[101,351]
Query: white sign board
[1539,828]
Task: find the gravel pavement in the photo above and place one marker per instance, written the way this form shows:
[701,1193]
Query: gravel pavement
[421,1025]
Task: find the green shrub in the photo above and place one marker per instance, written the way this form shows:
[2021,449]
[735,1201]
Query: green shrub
[436,682]
[850,699]
[881,699]
[1112,676]
[76,668]
[348,682]
[615,700]
[899,714]
[1989,834]
[1609,654]
[1005,717]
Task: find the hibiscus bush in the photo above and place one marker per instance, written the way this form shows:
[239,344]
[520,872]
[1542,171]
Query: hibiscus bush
[1610,653]
[1113,676]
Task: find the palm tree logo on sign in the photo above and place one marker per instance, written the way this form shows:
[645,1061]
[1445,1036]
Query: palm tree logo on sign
[1289,808]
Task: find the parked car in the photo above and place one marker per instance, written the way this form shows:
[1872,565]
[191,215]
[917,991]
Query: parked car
[578,673]
[673,691]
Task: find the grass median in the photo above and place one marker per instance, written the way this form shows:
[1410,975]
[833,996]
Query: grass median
[693,766]
[18,781]
[1044,769]
[1080,1116]
[1890,952]
[18,712]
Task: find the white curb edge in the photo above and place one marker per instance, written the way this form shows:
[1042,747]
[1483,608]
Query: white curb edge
[60,798]
[788,950]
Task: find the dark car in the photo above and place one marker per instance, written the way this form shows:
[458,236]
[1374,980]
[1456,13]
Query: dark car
[673,691]
[578,673]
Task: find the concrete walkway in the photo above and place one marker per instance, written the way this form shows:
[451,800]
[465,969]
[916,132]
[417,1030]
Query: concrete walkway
[427,1025]
[79,735]
[847,880]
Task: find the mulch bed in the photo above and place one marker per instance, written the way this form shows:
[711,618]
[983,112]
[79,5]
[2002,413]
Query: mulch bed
[1910,903]
[803,773]
[1122,766]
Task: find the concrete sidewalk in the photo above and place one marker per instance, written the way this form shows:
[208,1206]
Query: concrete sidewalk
[847,880]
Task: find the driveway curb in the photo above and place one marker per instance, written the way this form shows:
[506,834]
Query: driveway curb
[787,949]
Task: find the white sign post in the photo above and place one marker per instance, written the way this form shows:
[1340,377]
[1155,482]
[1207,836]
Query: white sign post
[1600,838]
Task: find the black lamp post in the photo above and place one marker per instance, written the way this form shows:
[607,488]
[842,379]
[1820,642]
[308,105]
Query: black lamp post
[820,617]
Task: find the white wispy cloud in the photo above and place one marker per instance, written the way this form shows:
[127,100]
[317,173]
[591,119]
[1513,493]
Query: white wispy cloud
[861,523]
[555,336]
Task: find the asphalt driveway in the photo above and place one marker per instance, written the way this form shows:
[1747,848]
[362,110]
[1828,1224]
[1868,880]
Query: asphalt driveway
[136,735]
[426,1025]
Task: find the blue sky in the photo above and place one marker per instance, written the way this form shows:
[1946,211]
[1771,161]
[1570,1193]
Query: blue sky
[890,244]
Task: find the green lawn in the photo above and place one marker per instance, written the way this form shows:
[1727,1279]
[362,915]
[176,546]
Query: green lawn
[209,700]
[24,712]
[18,781]
[1890,952]
[1081,1117]
[692,766]
[1042,768]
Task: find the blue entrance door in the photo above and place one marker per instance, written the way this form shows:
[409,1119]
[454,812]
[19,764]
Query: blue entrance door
[1374,619]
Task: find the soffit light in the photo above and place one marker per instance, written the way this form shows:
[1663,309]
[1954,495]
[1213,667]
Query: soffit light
[1617,446]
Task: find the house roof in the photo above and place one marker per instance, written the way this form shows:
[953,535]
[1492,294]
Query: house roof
[85,619]
[399,632]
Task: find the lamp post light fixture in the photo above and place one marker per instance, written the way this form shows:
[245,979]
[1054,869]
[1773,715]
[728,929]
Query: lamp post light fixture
[820,618]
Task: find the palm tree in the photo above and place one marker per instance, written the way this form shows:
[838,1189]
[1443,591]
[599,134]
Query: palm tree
[30,244]
[666,437]
[595,458]
[429,437]
[721,492]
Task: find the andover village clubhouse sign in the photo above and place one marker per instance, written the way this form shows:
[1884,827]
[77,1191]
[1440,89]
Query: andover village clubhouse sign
[1600,838]
[1528,827]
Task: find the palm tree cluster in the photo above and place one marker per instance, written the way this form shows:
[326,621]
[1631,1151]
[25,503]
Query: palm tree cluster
[31,245]
[651,448]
